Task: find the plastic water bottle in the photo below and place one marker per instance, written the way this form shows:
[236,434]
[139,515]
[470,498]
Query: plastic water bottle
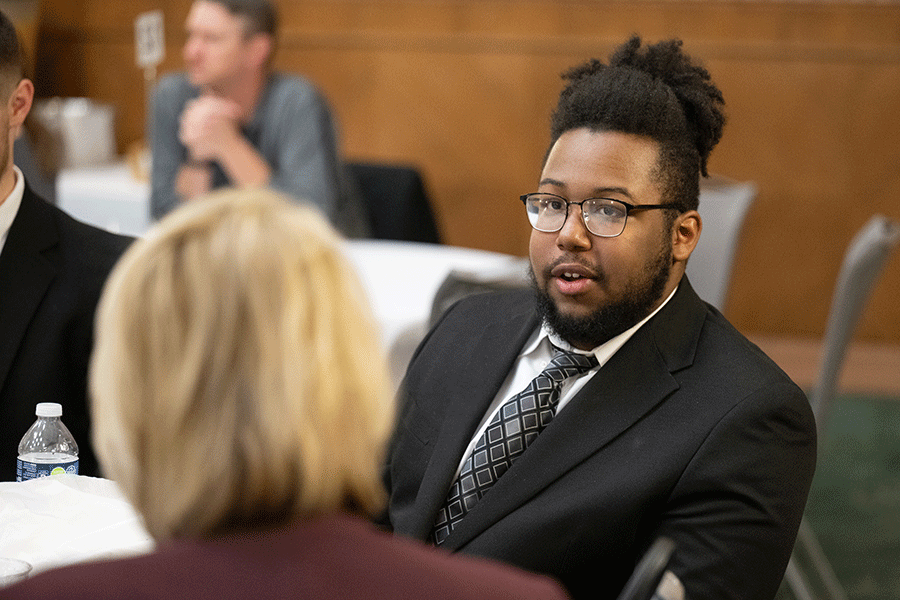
[47,448]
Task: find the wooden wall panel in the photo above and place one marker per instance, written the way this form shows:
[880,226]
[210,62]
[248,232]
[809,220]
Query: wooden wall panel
[463,89]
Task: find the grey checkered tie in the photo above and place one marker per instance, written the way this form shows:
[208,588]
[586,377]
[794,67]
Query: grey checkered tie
[511,430]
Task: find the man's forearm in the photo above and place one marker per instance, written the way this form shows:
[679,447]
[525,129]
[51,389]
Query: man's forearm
[244,165]
[193,179]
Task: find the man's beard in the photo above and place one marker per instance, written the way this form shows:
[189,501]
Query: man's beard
[610,320]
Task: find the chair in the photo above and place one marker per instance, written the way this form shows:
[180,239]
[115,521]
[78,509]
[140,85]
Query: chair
[650,580]
[863,262]
[396,201]
[723,206]
[460,283]
[862,265]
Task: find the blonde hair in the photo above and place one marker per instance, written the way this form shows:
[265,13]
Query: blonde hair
[237,378]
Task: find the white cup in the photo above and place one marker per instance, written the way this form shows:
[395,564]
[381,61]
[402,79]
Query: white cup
[13,570]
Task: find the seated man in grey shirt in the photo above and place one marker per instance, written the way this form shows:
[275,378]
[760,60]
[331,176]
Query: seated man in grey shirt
[229,120]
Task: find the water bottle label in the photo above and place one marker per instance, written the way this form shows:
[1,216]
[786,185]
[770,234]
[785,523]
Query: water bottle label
[26,470]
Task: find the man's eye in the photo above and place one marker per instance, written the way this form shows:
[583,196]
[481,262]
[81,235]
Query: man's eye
[555,205]
[608,210]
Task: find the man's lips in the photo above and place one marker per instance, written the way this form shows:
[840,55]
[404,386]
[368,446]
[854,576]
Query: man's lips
[572,271]
[572,278]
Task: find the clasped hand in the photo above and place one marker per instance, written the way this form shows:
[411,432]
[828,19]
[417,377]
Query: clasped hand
[209,124]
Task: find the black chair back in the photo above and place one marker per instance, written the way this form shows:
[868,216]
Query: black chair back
[396,201]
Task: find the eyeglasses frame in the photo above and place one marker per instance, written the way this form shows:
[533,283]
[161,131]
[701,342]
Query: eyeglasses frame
[628,209]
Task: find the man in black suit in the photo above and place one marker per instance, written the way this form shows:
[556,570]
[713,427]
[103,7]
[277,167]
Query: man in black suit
[644,412]
[52,269]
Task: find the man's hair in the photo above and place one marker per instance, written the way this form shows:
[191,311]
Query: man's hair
[655,91]
[237,378]
[260,16]
[10,52]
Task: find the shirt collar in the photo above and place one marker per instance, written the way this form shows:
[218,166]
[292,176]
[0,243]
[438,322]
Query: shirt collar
[10,206]
[604,351]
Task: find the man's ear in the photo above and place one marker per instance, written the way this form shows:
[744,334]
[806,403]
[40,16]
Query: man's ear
[685,234]
[260,46]
[19,104]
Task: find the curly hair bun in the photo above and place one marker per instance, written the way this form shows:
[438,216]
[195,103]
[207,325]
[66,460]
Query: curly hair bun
[654,90]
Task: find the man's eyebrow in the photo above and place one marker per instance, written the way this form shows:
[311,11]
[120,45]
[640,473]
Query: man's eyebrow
[551,181]
[604,191]
[598,192]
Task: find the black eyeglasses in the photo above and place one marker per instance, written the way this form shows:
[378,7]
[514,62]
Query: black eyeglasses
[603,217]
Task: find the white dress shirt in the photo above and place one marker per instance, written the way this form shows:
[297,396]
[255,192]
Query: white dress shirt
[10,207]
[536,355]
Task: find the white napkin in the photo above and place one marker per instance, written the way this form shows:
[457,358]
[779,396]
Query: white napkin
[63,519]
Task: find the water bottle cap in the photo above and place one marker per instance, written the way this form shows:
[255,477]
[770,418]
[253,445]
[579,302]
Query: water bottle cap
[48,409]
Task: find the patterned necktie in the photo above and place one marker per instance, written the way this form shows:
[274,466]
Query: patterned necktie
[511,430]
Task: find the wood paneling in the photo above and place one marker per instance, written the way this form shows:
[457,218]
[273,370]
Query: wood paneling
[464,90]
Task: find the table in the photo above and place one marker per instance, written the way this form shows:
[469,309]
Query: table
[65,519]
[107,196]
[68,518]
[400,278]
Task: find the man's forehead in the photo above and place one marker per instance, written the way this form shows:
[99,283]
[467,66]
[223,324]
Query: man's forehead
[596,161]
[208,15]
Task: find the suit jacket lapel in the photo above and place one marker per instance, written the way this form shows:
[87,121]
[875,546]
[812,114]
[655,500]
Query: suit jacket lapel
[25,274]
[485,370]
[635,380]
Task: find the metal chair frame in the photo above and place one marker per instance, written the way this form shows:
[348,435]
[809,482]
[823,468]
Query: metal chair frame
[862,265]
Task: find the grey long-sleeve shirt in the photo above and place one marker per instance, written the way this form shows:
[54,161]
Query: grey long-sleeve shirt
[291,127]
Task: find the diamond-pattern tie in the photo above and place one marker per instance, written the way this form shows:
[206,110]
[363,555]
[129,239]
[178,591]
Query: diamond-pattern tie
[511,430]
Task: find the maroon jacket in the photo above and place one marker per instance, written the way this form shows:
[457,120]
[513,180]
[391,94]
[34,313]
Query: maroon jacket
[334,558]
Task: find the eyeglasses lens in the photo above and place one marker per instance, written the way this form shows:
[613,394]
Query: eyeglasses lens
[601,216]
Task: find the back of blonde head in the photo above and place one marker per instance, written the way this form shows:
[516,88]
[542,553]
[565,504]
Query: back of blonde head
[237,379]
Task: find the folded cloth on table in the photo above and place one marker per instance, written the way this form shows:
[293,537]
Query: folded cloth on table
[64,519]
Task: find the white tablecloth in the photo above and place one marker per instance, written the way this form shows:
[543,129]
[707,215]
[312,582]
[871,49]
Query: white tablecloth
[65,519]
[400,278]
[107,196]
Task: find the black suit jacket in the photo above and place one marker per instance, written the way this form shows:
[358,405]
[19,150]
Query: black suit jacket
[689,431]
[52,270]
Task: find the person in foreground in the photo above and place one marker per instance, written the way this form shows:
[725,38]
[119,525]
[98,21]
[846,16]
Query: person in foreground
[52,269]
[231,120]
[241,402]
[642,412]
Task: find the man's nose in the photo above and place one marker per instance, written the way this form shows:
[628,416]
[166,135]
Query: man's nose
[191,47]
[574,234]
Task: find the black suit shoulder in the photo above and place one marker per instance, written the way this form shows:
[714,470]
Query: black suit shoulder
[82,256]
[490,305]
[482,312]
[92,248]
[735,367]
[491,320]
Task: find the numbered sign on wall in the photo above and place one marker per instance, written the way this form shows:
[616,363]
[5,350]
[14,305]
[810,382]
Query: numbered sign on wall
[150,43]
